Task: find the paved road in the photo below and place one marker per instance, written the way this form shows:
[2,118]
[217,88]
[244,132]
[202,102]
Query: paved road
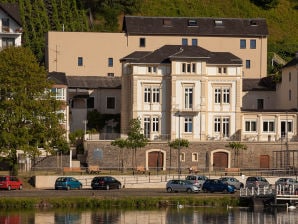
[126,192]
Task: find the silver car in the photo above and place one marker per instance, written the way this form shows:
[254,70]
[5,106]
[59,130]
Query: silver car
[256,182]
[285,183]
[181,185]
[197,180]
[232,181]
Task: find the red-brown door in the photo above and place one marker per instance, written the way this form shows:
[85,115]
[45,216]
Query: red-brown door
[264,161]
[155,160]
[220,160]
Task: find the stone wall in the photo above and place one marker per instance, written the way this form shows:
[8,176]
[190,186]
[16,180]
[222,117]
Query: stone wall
[105,155]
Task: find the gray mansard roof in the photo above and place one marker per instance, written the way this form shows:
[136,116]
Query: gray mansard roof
[191,26]
[167,53]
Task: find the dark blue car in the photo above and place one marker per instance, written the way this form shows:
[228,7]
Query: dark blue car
[216,185]
[67,183]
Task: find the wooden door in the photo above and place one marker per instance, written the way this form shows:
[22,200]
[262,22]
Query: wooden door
[220,160]
[264,161]
[155,160]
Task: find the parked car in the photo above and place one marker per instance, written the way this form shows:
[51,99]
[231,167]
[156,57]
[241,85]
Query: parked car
[197,180]
[105,182]
[216,185]
[256,182]
[181,185]
[232,181]
[10,182]
[67,183]
[284,183]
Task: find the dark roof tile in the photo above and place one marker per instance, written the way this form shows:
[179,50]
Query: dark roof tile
[93,82]
[12,9]
[187,26]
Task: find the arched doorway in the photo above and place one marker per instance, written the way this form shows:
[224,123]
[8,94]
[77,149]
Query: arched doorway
[220,159]
[155,159]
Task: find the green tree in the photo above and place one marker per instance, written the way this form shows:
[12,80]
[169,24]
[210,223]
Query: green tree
[27,110]
[135,139]
[178,144]
[236,147]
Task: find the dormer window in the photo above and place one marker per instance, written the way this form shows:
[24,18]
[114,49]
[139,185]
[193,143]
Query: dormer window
[253,23]
[218,22]
[167,22]
[192,22]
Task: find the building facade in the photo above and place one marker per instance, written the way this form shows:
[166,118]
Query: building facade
[10,25]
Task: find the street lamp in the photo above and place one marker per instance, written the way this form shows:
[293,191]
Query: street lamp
[85,128]
[179,162]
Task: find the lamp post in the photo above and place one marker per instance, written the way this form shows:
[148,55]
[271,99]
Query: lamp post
[179,162]
[85,128]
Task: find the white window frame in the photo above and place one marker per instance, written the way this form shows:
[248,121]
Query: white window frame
[147,95]
[155,124]
[250,125]
[188,124]
[147,127]
[155,95]
[188,97]
[195,157]
[59,93]
[182,156]
[269,125]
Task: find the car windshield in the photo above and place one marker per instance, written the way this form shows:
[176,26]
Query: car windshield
[2,178]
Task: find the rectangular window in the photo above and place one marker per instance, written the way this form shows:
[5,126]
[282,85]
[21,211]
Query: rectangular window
[242,44]
[247,64]
[142,42]
[260,104]
[192,22]
[147,127]
[219,70]
[226,126]
[194,157]
[183,67]
[226,95]
[182,157]
[59,93]
[188,68]
[268,126]
[90,102]
[110,62]
[155,95]
[188,97]
[217,124]
[111,102]
[184,42]
[155,124]
[194,42]
[147,95]
[152,69]
[290,95]
[250,126]
[5,25]
[253,44]
[286,126]
[217,95]
[110,74]
[8,42]
[80,61]
[188,124]
[194,65]
[290,77]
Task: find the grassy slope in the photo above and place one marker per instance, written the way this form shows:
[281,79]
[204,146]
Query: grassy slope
[282,21]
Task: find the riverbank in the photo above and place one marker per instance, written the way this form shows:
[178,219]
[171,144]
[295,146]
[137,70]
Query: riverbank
[129,202]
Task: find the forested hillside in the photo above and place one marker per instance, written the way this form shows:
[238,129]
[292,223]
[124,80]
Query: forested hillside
[39,16]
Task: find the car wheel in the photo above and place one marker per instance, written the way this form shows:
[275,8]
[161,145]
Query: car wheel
[119,186]
[68,188]
[241,185]
[169,190]
[21,187]
[188,190]
[9,188]
[80,187]
[225,191]
[107,187]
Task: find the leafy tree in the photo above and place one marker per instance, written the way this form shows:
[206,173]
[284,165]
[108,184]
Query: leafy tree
[178,144]
[28,112]
[236,147]
[76,139]
[135,139]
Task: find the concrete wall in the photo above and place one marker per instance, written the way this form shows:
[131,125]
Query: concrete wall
[137,181]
